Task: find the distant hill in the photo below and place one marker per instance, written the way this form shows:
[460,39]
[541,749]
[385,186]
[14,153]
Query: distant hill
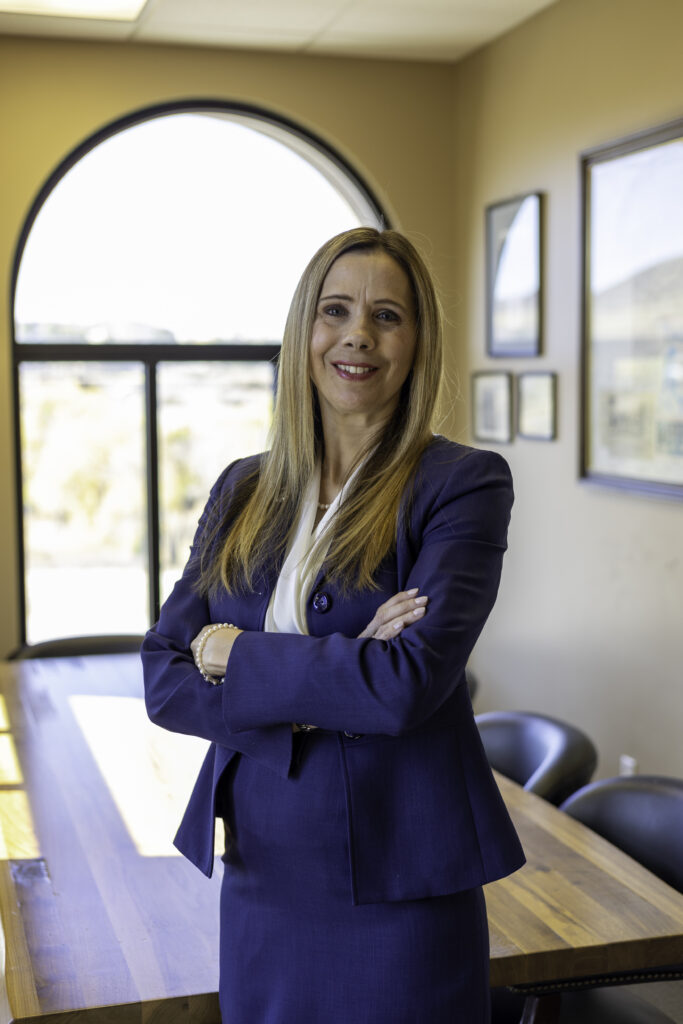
[92,333]
[647,306]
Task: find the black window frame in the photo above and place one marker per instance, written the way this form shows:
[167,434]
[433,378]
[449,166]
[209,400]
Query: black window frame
[149,354]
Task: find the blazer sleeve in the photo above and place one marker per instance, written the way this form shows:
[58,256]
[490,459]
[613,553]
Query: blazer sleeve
[369,686]
[177,696]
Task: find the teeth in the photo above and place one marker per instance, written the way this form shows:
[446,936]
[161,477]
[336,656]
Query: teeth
[355,369]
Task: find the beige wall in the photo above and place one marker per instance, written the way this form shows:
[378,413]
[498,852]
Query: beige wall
[389,119]
[589,623]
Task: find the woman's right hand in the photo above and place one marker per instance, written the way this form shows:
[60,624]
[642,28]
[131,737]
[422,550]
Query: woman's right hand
[396,613]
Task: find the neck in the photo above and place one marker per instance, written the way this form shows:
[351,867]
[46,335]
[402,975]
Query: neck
[340,456]
[336,467]
[343,443]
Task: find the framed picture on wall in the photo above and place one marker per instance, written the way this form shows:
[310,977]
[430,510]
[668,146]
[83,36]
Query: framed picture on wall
[492,406]
[633,312]
[536,405]
[513,277]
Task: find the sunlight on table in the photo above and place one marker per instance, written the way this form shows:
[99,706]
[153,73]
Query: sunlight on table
[17,835]
[18,840]
[149,772]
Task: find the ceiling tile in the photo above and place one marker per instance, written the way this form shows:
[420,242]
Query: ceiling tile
[292,17]
[401,29]
[429,30]
[429,20]
[72,28]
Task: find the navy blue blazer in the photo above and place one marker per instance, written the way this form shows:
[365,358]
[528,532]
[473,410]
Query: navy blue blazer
[425,817]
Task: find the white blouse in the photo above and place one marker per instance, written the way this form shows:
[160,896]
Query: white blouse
[287,608]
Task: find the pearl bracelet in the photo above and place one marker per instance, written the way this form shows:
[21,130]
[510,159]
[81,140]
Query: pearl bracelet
[199,659]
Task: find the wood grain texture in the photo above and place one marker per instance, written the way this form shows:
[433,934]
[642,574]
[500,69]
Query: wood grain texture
[579,907]
[105,923]
[18,996]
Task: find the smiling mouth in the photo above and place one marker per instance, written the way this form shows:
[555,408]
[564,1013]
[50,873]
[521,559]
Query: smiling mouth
[350,371]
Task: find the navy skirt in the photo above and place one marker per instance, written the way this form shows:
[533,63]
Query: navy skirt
[295,949]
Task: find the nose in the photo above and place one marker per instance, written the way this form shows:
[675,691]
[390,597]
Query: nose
[360,332]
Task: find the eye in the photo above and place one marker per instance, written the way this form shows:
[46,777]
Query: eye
[334,310]
[388,315]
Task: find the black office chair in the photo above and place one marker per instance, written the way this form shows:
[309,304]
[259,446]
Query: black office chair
[472,683]
[75,646]
[616,1006]
[546,756]
[599,1006]
[643,816]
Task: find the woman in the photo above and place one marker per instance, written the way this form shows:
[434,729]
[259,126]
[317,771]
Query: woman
[340,582]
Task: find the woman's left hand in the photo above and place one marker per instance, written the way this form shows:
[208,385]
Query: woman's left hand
[216,649]
[394,615]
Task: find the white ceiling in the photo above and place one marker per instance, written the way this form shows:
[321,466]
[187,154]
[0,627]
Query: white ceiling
[438,30]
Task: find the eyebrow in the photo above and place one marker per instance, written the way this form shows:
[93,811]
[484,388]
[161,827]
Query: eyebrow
[377,302]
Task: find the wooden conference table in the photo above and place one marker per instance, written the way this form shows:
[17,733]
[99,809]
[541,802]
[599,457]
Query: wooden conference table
[103,922]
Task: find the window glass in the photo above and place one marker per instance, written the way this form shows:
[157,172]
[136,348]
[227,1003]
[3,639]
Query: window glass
[188,227]
[209,414]
[85,527]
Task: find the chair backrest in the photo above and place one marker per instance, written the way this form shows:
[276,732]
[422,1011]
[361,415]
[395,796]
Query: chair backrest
[546,756]
[642,815]
[472,683]
[74,646]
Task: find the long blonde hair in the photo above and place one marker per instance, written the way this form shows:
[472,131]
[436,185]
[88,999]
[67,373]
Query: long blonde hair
[257,528]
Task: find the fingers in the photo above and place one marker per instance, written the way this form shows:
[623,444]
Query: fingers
[405,605]
[398,599]
[396,613]
[399,607]
[395,626]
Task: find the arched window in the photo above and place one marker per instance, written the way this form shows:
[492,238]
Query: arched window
[151,287]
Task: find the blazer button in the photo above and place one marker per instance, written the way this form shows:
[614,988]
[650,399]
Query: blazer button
[321,602]
[353,735]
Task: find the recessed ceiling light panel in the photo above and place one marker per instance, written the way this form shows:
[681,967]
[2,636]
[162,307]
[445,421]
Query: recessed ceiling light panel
[107,10]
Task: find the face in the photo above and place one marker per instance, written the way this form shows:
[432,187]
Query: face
[363,340]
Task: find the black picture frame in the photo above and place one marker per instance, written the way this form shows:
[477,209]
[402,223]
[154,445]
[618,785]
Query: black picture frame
[514,276]
[537,405]
[632,345]
[492,399]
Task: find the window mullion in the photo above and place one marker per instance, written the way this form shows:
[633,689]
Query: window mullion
[152,487]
